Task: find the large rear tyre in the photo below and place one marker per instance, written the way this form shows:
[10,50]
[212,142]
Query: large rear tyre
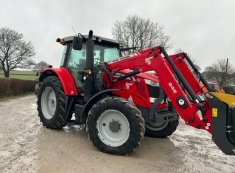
[161,130]
[51,103]
[115,126]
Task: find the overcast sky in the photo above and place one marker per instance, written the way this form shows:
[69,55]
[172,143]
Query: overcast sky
[205,29]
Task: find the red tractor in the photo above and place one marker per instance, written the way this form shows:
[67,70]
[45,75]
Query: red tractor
[121,99]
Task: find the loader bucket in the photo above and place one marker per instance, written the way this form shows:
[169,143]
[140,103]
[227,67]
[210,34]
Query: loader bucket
[223,121]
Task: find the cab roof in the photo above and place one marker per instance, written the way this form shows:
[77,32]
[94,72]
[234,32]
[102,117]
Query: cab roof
[97,40]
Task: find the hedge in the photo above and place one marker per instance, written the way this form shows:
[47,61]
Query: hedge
[229,89]
[13,87]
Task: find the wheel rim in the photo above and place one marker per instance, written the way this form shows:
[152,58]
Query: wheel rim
[158,125]
[48,103]
[113,128]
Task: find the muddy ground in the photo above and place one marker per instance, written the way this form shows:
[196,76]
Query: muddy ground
[26,146]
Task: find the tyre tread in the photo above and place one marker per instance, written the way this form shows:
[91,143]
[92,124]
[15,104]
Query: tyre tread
[125,149]
[59,119]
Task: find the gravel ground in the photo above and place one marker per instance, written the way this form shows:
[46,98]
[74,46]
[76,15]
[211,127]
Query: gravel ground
[26,146]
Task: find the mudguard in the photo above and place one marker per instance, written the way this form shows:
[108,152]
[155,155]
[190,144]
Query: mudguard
[65,77]
[90,103]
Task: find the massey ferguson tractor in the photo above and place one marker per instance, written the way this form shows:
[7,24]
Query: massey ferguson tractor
[121,99]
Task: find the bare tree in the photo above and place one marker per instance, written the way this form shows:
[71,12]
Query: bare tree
[221,72]
[28,64]
[138,32]
[13,50]
[41,66]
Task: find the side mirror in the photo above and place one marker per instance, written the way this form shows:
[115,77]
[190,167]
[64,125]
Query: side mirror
[77,43]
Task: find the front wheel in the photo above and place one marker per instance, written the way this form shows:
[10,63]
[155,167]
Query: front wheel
[115,126]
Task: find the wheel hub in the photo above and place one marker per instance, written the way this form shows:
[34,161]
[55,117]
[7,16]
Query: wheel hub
[52,102]
[114,126]
[157,125]
[48,102]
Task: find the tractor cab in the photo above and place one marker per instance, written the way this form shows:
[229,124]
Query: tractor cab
[84,53]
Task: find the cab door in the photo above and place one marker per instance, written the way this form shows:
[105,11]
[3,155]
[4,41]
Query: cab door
[76,63]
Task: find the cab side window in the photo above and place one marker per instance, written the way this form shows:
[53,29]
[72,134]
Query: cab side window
[77,58]
[63,55]
[77,62]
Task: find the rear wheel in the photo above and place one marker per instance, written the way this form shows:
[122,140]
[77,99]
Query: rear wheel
[160,128]
[51,103]
[115,126]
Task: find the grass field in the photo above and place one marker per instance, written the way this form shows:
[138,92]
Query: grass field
[24,75]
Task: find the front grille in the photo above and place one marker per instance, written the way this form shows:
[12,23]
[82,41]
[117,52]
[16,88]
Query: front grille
[154,91]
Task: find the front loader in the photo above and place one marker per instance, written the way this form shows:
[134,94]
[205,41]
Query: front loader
[121,99]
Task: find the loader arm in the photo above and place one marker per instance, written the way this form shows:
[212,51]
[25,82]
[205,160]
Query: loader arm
[181,84]
[152,60]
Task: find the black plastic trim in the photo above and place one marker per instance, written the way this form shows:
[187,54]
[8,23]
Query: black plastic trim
[180,76]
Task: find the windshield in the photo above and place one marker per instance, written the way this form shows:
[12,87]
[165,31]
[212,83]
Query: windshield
[76,60]
[105,53]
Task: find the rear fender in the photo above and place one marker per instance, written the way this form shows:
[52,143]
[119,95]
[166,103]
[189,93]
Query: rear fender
[65,77]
